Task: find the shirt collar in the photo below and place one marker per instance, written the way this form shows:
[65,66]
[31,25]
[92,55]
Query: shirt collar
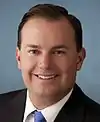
[29,107]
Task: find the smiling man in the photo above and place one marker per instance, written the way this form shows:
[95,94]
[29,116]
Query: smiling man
[49,53]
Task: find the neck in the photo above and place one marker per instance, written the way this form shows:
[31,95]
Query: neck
[41,102]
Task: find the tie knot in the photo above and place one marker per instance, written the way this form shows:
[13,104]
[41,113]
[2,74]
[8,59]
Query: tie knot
[38,117]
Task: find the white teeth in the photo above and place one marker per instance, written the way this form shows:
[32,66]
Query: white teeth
[46,77]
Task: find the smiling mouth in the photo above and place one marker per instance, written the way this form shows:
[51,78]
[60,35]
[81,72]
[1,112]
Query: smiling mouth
[46,77]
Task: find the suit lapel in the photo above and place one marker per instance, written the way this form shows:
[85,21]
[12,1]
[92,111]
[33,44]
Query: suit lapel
[73,110]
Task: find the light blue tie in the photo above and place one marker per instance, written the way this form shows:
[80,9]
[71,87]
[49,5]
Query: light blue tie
[38,117]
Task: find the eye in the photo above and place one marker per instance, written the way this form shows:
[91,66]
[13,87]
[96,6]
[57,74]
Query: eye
[59,52]
[33,52]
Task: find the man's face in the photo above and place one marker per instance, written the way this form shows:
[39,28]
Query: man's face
[48,57]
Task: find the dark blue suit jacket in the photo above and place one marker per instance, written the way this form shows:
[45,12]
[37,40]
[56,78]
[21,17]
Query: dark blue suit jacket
[79,108]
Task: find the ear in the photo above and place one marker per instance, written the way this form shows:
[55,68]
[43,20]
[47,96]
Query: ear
[80,59]
[18,58]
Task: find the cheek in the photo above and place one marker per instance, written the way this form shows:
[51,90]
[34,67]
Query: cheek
[27,63]
[68,74]
[66,65]
[27,66]
[27,69]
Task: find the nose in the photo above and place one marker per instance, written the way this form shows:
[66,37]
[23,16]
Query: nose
[44,61]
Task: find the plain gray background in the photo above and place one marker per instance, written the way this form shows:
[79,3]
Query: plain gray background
[88,11]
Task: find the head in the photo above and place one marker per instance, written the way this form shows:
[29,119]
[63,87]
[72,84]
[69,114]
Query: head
[49,51]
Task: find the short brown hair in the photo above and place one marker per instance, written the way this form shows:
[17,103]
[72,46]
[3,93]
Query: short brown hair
[52,12]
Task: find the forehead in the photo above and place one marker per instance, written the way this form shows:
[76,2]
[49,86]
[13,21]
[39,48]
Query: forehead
[42,31]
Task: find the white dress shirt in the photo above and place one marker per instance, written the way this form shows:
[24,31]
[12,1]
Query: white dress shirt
[49,113]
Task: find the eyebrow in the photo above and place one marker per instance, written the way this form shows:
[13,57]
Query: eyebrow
[60,47]
[53,48]
[33,46]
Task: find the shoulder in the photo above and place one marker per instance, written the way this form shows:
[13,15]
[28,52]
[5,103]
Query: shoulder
[86,107]
[91,107]
[91,110]
[6,97]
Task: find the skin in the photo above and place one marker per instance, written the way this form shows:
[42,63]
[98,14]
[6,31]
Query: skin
[48,49]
